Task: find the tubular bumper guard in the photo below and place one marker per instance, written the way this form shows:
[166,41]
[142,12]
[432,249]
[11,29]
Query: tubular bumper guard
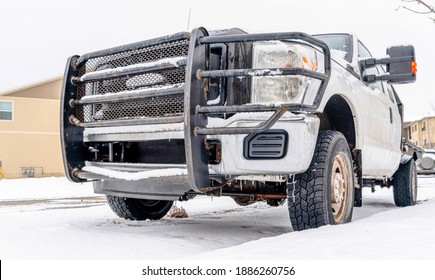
[196,110]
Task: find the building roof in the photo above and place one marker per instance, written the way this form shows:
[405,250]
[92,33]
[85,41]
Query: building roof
[45,89]
[429,116]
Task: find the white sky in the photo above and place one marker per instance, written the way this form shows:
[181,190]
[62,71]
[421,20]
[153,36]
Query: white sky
[37,36]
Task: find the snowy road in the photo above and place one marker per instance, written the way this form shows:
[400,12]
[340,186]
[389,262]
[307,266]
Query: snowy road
[54,219]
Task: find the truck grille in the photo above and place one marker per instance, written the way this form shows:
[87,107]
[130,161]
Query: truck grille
[151,107]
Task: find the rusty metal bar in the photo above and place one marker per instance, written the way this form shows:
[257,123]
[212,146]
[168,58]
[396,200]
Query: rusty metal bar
[125,122]
[261,73]
[254,196]
[237,38]
[129,96]
[243,130]
[250,108]
[141,68]
[258,196]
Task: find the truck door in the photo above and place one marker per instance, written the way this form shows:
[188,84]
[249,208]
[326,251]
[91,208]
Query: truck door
[383,152]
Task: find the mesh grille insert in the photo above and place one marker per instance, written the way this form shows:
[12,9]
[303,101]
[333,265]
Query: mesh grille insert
[151,107]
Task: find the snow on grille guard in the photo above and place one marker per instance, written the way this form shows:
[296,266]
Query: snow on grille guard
[136,84]
[197,111]
[131,77]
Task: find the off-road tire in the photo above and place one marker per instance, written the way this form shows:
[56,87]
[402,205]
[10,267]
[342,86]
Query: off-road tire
[310,200]
[405,184]
[138,209]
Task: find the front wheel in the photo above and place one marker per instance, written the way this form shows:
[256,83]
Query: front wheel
[405,184]
[138,209]
[324,194]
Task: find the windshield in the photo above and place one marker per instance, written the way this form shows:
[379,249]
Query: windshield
[338,42]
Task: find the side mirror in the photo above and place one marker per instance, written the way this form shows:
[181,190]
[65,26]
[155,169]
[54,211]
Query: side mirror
[400,63]
[404,70]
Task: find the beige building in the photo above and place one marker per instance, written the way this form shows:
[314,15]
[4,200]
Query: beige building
[29,130]
[421,132]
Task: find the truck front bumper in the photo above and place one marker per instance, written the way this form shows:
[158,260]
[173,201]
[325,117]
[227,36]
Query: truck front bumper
[300,134]
[172,181]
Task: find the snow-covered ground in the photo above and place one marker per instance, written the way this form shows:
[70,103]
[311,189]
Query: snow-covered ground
[52,218]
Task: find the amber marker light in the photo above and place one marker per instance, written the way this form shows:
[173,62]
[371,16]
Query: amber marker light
[413,67]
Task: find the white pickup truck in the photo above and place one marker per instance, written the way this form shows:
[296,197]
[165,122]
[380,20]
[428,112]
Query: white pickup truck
[273,117]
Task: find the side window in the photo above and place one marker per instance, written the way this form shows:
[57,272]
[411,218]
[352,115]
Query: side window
[6,110]
[338,42]
[363,52]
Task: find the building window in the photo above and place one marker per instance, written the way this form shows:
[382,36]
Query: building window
[6,110]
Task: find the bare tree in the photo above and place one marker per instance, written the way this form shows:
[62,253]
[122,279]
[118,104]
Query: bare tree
[427,9]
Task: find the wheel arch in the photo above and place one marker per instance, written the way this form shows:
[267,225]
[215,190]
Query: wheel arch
[339,116]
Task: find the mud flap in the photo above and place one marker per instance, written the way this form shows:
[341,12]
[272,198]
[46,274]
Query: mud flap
[405,158]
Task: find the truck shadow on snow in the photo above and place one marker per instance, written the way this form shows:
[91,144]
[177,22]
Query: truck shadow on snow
[216,229]
[235,225]
[372,207]
[382,200]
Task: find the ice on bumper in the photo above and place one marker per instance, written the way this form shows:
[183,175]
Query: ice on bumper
[135,176]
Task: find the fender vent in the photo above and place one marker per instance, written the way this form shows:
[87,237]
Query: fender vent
[268,145]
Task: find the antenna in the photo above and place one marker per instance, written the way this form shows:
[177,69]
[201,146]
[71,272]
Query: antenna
[188,20]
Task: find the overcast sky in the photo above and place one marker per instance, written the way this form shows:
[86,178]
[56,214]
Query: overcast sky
[38,36]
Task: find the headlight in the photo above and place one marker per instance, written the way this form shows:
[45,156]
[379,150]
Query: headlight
[285,89]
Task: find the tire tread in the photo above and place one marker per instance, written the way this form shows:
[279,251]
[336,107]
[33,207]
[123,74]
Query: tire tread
[402,182]
[308,208]
[130,209]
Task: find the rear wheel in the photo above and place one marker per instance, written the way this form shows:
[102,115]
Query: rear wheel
[405,184]
[323,194]
[138,209]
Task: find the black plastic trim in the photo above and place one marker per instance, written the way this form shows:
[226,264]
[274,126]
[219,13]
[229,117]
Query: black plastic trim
[248,140]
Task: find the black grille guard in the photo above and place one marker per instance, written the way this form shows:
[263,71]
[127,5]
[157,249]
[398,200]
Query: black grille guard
[196,110]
